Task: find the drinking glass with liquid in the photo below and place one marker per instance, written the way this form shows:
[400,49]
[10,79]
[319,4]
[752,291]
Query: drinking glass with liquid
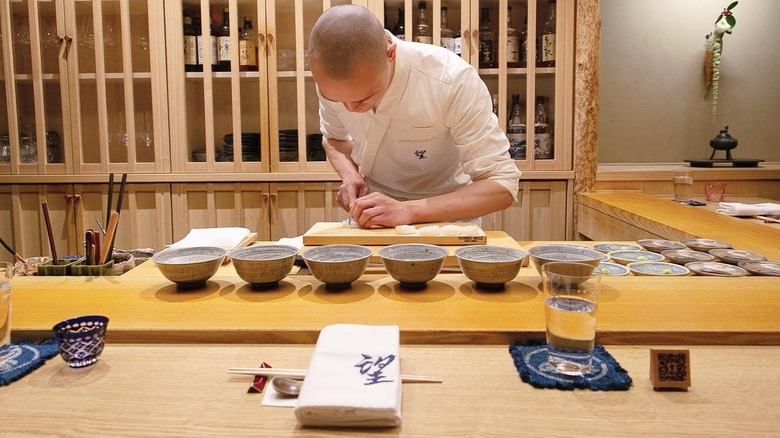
[570,301]
[6,273]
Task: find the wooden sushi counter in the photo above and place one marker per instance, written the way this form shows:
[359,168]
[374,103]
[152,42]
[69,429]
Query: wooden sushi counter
[145,307]
[162,372]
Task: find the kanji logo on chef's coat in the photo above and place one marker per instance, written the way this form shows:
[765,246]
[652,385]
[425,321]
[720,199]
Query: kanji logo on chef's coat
[420,153]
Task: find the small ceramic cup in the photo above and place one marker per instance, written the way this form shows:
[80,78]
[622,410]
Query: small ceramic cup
[81,339]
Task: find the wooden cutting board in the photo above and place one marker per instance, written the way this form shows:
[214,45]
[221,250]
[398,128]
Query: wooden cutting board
[326,233]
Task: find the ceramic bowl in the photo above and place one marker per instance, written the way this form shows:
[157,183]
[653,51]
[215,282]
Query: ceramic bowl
[761,268]
[683,256]
[716,269]
[190,267]
[337,265]
[735,256]
[658,245]
[613,269]
[263,265]
[556,252]
[413,264]
[617,246]
[705,245]
[661,269]
[626,257]
[490,266]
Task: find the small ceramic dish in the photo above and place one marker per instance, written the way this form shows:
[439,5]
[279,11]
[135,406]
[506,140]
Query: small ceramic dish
[626,257]
[658,245]
[683,256]
[761,268]
[562,252]
[613,269]
[490,266]
[615,246]
[705,245]
[716,269]
[735,256]
[190,267]
[661,269]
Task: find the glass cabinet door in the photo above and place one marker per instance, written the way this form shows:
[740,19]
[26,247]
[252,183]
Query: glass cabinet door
[118,106]
[33,132]
[248,99]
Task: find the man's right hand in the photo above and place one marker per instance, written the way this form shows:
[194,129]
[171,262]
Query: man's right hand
[350,190]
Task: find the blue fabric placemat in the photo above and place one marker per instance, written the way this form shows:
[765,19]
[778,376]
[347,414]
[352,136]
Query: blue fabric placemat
[24,357]
[531,362]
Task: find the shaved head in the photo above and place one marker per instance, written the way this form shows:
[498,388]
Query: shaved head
[346,38]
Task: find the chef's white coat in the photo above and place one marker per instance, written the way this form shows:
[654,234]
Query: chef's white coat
[433,132]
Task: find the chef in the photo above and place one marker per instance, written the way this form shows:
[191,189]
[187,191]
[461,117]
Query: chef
[408,127]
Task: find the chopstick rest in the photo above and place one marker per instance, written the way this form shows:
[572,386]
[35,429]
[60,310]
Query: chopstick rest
[353,379]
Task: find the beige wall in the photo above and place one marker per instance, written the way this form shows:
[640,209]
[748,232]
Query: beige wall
[652,90]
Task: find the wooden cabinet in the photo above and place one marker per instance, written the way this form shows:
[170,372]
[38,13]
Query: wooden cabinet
[144,220]
[83,87]
[103,84]
[273,210]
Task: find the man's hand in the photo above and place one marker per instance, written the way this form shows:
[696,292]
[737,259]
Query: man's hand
[378,209]
[350,190]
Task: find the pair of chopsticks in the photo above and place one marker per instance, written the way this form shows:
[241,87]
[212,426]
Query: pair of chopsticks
[112,217]
[288,372]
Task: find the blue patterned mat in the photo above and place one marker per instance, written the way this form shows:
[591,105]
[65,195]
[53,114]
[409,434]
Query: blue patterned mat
[25,357]
[531,362]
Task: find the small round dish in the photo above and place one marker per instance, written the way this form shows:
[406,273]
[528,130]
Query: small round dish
[626,257]
[683,256]
[337,265]
[190,267]
[716,269]
[765,268]
[413,265]
[660,269]
[705,245]
[615,246]
[658,245]
[612,269]
[735,256]
[490,266]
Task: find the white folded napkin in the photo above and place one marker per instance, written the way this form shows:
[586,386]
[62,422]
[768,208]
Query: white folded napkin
[739,209]
[353,379]
[224,237]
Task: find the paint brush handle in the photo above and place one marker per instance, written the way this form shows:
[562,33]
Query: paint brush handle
[46,217]
[11,250]
[110,231]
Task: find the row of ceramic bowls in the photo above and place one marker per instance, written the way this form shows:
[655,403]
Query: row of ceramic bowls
[489,266]
[411,264]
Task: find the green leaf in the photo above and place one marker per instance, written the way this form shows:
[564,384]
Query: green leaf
[718,19]
[731,20]
[732,6]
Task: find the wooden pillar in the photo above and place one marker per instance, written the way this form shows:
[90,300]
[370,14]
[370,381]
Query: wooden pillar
[586,98]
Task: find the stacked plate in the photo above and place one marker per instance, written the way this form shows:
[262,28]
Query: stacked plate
[314,150]
[250,146]
[288,145]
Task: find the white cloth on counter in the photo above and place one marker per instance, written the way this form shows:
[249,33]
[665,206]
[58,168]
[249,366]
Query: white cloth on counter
[296,241]
[224,237]
[740,209]
[353,379]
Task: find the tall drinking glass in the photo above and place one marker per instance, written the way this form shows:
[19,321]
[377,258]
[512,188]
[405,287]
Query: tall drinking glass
[570,300]
[6,273]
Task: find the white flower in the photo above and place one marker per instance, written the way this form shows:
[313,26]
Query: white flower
[722,26]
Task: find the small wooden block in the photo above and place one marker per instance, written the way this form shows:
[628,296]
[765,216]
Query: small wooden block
[670,369]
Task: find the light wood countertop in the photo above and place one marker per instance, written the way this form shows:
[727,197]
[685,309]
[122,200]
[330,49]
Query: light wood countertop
[145,307]
[183,390]
[631,216]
